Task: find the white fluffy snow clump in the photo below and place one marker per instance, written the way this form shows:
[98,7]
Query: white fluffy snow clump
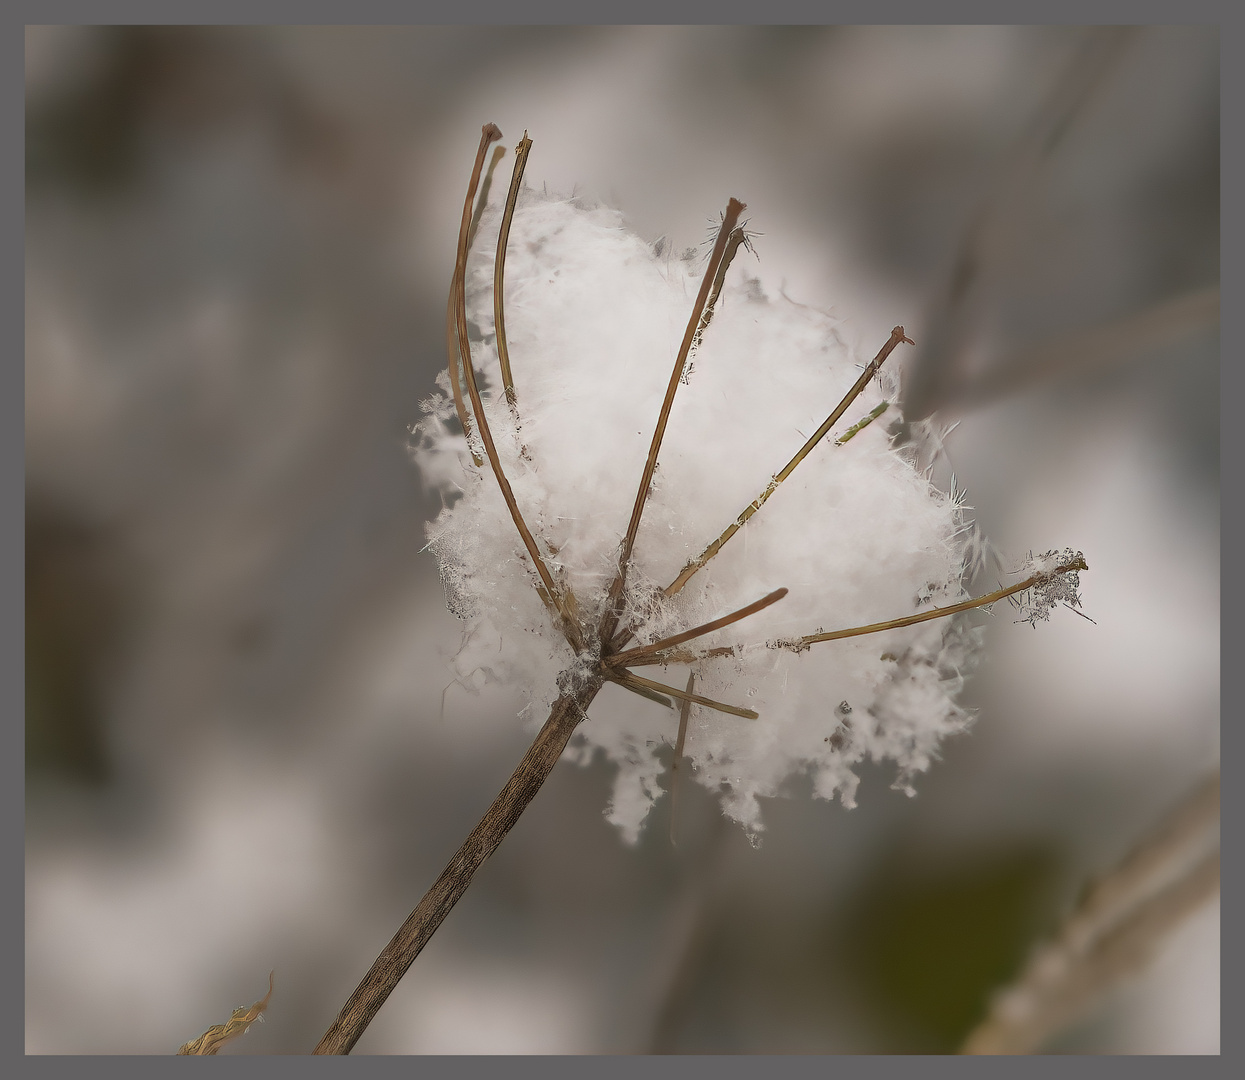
[858,534]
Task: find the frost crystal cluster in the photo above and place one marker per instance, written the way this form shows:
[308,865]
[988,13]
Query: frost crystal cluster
[593,319]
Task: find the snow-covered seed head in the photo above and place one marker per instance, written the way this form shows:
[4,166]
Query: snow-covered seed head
[594,318]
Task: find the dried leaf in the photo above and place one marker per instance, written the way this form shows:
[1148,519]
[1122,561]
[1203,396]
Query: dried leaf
[218,1034]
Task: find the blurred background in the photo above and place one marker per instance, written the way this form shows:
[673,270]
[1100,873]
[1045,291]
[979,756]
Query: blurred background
[242,753]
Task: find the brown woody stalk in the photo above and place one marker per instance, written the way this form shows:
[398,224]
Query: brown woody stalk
[396,958]
[454,344]
[451,345]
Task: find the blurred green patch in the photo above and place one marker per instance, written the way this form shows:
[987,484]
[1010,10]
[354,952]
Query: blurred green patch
[929,944]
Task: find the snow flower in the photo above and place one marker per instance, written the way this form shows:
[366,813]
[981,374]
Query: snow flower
[758,534]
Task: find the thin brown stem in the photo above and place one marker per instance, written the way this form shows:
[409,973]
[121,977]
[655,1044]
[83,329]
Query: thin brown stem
[685,711]
[684,656]
[567,624]
[634,682]
[733,209]
[396,958]
[499,152]
[737,239]
[686,574]
[933,613]
[451,344]
[641,653]
[499,272]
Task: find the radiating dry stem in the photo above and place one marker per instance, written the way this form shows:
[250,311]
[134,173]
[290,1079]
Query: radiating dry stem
[686,574]
[568,624]
[451,345]
[733,209]
[737,239]
[499,152]
[499,272]
[684,656]
[642,653]
[413,935]
[933,613]
[634,682]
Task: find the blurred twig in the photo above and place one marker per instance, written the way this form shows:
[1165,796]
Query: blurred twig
[1086,352]
[998,220]
[1112,932]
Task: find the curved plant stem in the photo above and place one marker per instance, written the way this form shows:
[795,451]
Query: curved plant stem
[567,624]
[396,958]
[456,382]
[499,152]
[499,271]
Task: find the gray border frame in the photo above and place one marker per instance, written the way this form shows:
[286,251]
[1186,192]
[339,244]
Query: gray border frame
[535,12]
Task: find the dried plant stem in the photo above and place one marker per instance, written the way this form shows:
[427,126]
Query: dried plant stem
[737,239]
[676,655]
[686,574]
[1112,932]
[499,152]
[733,209]
[641,653]
[568,624]
[634,682]
[451,345]
[685,711]
[684,656]
[933,613]
[396,958]
[499,272]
